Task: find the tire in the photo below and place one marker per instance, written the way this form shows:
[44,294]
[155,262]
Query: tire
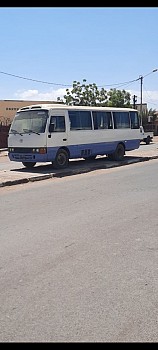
[118,154]
[148,140]
[61,160]
[29,165]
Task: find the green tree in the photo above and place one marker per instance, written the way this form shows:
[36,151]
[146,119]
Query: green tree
[118,98]
[90,95]
[85,95]
[152,112]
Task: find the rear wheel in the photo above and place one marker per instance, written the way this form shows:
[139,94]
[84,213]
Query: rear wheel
[29,165]
[118,154]
[62,159]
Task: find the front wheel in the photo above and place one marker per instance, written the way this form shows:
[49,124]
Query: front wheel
[29,165]
[61,160]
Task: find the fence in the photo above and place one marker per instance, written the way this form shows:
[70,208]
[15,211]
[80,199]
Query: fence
[4,129]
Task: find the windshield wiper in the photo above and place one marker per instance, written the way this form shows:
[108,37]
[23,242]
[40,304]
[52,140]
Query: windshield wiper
[16,132]
[28,131]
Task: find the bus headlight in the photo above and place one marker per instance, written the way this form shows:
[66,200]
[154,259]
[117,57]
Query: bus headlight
[41,150]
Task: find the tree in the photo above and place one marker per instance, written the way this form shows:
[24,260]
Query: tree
[85,95]
[152,113]
[149,123]
[90,95]
[118,98]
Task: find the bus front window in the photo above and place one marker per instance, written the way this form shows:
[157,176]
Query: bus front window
[33,121]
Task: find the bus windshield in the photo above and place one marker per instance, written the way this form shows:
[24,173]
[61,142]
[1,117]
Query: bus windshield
[29,122]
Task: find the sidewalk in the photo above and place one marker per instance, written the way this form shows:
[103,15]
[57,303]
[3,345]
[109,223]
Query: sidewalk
[14,173]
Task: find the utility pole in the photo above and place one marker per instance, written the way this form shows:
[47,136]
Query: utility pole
[141,99]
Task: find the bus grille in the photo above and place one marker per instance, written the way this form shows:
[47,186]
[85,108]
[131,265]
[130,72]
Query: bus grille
[22,150]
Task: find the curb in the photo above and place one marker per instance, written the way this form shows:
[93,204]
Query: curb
[3,149]
[70,172]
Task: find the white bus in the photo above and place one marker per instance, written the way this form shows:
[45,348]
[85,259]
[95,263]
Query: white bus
[56,133]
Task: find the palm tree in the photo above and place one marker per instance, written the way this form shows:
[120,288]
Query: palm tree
[149,123]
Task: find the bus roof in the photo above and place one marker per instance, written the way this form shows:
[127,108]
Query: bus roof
[63,106]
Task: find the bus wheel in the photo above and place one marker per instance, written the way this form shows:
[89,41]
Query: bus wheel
[62,159]
[29,165]
[118,154]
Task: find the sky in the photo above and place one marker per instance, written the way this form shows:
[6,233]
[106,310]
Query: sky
[44,49]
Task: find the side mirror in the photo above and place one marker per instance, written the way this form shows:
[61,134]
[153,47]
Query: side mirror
[51,127]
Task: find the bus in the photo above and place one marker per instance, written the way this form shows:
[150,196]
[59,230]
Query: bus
[57,133]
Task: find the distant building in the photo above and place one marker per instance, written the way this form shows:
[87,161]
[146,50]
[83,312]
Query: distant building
[8,108]
[144,107]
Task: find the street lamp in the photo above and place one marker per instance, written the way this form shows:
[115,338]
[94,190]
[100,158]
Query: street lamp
[141,92]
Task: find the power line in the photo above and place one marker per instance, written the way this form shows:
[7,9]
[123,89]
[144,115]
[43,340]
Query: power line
[121,84]
[57,84]
[68,85]
[38,81]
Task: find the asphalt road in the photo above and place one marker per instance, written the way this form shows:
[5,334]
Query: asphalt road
[79,257]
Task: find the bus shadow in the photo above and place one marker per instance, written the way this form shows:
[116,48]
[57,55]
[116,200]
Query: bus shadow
[79,165]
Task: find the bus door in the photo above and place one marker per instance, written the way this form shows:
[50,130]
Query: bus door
[57,129]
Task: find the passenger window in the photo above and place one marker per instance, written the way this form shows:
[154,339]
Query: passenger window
[121,120]
[102,120]
[80,120]
[134,120]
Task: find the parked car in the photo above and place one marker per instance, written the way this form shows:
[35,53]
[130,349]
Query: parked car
[146,136]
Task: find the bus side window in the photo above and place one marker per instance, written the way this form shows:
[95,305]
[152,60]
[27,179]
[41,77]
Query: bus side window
[121,120]
[102,120]
[134,120]
[80,120]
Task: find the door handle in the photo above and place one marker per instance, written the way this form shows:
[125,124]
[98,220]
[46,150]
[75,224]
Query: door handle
[64,139]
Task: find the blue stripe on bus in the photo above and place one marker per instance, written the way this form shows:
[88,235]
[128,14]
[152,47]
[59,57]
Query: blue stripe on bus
[75,151]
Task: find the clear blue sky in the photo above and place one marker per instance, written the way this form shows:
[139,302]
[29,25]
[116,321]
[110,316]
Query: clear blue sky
[104,45]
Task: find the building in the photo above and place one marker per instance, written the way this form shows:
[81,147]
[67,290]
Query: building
[8,109]
[144,107]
